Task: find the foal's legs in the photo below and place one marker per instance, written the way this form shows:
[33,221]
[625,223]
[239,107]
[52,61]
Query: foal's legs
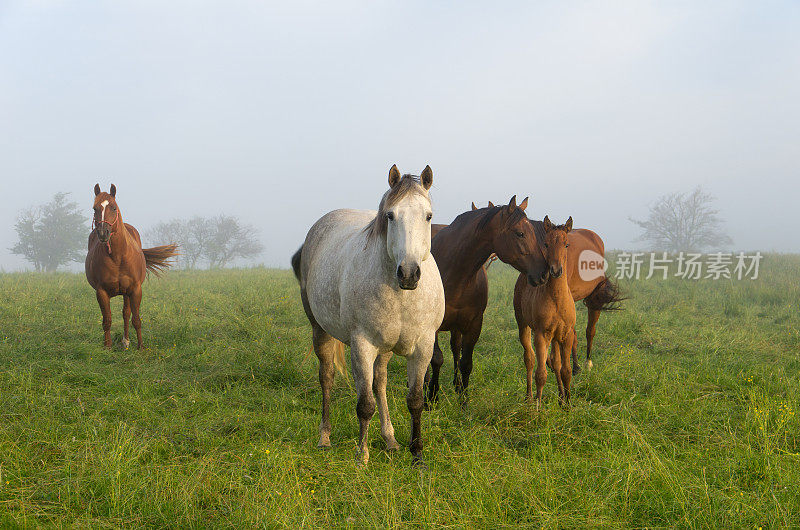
[126,315]
[576,367]
[529,356]
[325,348]
[540,344]
[436,365]
[362,358]
[591,325]
[136,300]
[379,390]
[455,347]
[105,307]
[416,365]
[556,357]
[566,367]
[470,340]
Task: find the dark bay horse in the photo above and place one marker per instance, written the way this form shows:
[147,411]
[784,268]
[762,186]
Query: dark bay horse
[461,249]
[547,312]
[117,264]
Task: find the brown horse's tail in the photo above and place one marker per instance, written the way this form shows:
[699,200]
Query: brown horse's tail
[605,297]
[157,259]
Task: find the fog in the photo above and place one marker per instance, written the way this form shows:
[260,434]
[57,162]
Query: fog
[280,112]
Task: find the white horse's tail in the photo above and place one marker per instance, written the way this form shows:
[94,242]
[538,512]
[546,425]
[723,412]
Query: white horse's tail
[338,346]
[338,356]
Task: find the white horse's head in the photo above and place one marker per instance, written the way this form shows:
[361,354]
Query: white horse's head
[404,218]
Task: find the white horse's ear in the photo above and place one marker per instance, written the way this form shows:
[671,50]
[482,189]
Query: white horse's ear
[523,204]
[96,190]
[568,224]
[394,176]
[113,191]
[426,178]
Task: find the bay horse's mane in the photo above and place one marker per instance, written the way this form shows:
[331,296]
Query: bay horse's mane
[489,213]
[538,230]
[408,184]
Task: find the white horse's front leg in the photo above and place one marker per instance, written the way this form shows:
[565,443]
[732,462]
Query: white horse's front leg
[417,365]
[362,359]
[379,390]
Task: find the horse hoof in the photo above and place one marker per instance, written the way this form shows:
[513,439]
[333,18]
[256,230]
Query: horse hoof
[324,442]
[362,458]
[392,446]
[576,369]
[589,365]
[126,343]
[418,463]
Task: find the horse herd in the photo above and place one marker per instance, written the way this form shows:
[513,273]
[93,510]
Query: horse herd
[388,282]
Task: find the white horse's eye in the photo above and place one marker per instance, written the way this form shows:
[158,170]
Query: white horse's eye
[389,216]
[429,217]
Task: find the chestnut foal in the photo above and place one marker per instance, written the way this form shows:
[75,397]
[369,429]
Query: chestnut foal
[116,263]
[550,310]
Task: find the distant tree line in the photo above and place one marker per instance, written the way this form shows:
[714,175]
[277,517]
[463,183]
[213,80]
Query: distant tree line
[213,242]
[56,233]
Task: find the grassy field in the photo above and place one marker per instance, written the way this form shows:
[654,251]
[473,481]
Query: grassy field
[688,419]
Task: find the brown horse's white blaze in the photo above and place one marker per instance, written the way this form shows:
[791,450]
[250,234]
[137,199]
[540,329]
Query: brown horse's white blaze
[116,264]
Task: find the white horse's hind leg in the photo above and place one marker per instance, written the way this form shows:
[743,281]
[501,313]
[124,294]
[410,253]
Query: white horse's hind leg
[362,358]
[379,390]
[325,348]
[417,364]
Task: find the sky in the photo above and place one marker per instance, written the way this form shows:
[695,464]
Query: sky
[277,112]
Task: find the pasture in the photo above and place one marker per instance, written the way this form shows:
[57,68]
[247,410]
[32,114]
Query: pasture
[689,418]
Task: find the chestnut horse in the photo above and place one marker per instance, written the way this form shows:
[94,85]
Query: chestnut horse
[117,264]
[548,310]
[461,249]
[598,292]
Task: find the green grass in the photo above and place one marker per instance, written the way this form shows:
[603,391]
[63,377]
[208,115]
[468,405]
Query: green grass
[688,419]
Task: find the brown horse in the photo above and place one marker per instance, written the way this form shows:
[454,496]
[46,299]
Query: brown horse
[117,265]
[549,310]
[461,249]
[598,292]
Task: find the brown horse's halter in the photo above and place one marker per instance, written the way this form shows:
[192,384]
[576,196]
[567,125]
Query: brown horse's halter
[96,224]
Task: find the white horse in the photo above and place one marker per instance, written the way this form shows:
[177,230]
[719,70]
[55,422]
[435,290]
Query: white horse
[368,280]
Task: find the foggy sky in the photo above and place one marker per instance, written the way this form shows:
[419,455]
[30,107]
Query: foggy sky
[280,112]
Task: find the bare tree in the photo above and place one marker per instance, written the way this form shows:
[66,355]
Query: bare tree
[683,222]
[52,234]
[192,236]
[231,240]
[215,241]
